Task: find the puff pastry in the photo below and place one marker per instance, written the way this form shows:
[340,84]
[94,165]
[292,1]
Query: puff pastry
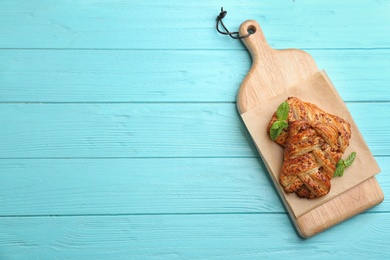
[314,142]
[300,110]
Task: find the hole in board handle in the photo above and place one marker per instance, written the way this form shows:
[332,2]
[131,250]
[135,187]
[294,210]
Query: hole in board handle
[251,29]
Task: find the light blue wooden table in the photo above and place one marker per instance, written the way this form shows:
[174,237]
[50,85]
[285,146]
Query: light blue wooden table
[120,137]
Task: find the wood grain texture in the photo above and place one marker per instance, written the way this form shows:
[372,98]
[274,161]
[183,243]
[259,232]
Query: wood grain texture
[354,201]
[272,72]
[116,76]
[226,236]
[120,138]
[182,25]
[147,130]
[37,187]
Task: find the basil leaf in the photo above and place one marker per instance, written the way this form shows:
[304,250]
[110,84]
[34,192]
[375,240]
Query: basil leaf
[277,128]
[283,124]
[348,162]
[342,164]
[282,111]
[339,170]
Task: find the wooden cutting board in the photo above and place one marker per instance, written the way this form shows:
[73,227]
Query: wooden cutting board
[272,72]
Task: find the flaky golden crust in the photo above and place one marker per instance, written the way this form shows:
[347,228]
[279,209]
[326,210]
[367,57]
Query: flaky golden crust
[314,142]
[300,110]
[310,158]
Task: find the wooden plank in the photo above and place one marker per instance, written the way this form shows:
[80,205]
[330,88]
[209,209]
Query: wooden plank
[184,25]
[120,76]
[136,186]
[235,236]
[168,76]
[147,130]
[36,187]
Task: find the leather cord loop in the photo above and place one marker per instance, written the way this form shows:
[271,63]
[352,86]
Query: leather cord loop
[234,35]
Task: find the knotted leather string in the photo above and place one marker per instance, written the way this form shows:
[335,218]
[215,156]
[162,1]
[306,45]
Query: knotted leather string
[234,35]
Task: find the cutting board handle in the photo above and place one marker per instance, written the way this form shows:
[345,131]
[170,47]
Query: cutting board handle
[272,70]
[256,42]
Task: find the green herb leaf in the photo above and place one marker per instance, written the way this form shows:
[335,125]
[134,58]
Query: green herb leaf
[277,128]
[280,124]
[339,171]
[342,164]
[348,162]
[282,111]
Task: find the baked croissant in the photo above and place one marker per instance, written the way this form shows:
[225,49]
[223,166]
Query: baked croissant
[314,142]
[300,110]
